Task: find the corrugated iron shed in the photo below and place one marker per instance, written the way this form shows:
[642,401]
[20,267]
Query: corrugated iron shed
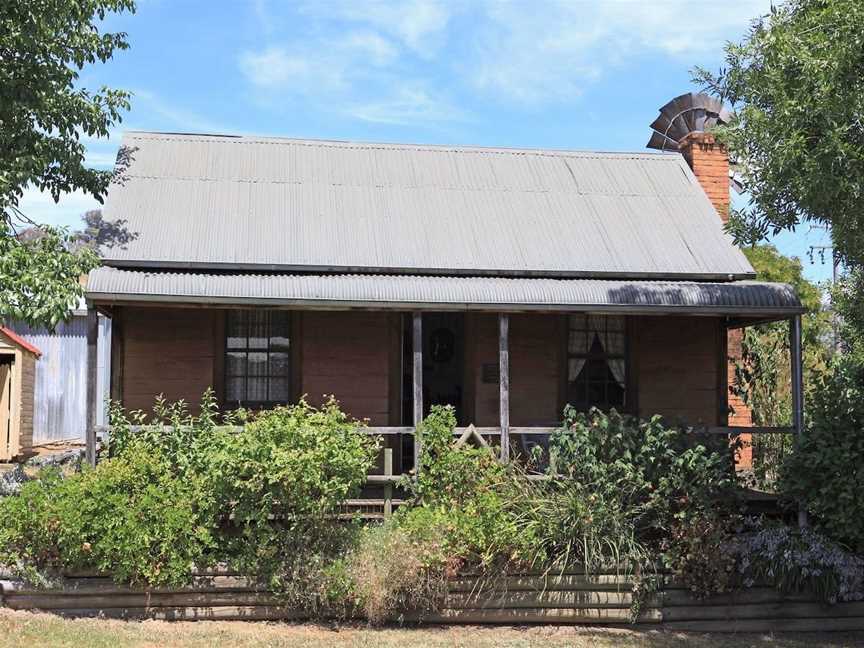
[440,292]
[210,202]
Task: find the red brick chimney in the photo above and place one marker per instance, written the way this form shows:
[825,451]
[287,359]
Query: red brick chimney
[710,163]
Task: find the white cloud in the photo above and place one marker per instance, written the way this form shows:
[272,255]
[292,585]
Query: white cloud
[550,51]
[419,25]
[318,65]
[396,61]
[408,105]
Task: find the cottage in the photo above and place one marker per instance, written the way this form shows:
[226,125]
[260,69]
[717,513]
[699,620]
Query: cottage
[504,282]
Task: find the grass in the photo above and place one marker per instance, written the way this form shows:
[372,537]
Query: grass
[20,629]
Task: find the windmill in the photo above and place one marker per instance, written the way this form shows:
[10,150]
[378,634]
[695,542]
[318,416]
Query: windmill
[689,113]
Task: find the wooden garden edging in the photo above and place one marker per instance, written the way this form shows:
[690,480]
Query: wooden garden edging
[598,599]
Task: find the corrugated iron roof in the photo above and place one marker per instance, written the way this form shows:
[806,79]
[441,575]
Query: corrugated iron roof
[204,201]
[442,292]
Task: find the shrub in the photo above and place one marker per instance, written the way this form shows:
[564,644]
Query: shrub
[185,491]
[129,517]
[397,568]
[283,477]
[656,473]
[826,471]
[464,491]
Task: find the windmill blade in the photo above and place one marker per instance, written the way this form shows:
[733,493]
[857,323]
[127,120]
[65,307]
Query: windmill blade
[662,143]
[674,130]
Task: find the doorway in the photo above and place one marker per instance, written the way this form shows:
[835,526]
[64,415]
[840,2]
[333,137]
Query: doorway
[6,364]
[443,364]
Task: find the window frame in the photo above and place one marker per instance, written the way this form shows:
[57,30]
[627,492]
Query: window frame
[629,387]
[288,377]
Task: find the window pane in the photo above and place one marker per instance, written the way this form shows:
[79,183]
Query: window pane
[578,322]
[279,390]
[615,343]
[575,366]
[615,323]
[578,342]
[256,390]
[235,363]
[236,330]
[280,364]
[235,390]
[257,364]
[258,333]
[280,330]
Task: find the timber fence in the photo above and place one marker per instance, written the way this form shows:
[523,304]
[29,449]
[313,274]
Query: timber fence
[573,598]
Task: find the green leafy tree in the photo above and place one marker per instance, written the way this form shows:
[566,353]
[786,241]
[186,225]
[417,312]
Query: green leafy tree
[762,373]
[44,112]
[796,82]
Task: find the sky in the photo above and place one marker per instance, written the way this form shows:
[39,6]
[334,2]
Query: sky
[568,74]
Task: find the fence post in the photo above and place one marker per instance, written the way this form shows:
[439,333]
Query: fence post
[388,487]
[797,375]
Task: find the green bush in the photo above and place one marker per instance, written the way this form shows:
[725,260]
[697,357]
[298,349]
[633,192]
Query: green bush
[826,471]
[465,491]
[130,517]
[656,473]
[185,491]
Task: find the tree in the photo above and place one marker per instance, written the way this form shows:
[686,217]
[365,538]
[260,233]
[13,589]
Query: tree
[762,373]
[796,82]
[44,44]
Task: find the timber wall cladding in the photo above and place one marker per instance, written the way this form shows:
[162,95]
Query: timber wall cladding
[677,361]
[170,351]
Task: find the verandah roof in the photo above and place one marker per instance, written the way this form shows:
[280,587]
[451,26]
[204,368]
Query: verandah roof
[418,292]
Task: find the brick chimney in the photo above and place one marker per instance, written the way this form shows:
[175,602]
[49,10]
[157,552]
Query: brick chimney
[710,163]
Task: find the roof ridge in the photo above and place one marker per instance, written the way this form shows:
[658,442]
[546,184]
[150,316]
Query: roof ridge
[431,148]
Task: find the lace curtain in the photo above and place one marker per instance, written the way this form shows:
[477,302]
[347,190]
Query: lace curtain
[609,333]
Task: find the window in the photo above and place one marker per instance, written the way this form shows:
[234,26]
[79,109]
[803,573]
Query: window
[597,362]
[257,358]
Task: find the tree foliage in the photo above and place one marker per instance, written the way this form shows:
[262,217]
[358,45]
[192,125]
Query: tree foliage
[796,82]
[44,113]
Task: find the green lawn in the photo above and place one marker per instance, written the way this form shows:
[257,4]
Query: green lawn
[24,629]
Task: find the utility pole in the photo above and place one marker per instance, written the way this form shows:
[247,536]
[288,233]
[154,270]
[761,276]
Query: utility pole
[822,251]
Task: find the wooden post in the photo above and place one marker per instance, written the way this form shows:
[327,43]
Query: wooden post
[92,387]
[388,487]
[504,371]
[797,375]
[417,346]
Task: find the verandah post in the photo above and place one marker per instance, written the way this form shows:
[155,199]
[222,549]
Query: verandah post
[417,373]
[92,391]
[504,382]
[797,376]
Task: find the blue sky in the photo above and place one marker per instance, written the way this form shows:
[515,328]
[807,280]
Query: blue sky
[568,74]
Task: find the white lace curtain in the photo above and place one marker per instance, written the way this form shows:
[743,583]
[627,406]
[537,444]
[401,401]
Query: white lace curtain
[609,332]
